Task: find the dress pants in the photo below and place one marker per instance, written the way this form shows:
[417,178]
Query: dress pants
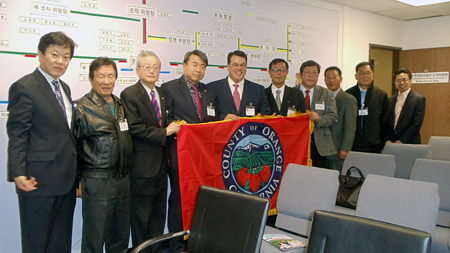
[174,219]
[46,222]
[335,163]
[106,214]
[317,159]
[148,208]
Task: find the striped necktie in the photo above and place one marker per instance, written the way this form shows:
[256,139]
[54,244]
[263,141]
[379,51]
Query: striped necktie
[155,106]
[59,96]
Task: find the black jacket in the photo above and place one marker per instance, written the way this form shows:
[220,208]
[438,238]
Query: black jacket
[104,150]
[370,129]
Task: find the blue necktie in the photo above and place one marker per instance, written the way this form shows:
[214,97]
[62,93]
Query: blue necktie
[155,106]
[59,97]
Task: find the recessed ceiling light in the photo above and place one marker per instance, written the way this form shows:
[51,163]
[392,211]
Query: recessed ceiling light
[421,2]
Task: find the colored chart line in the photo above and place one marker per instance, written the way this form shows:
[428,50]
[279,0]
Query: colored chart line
[191,12]
[126,69]
[144,30]
[27,54]
[288,51]
[196,41]
[156,38]
[217,66]
[164,72]
[249,46]
[3,102]
[121,60]
[104,16]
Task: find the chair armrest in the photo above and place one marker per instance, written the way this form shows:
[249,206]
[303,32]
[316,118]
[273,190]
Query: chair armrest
[158,239]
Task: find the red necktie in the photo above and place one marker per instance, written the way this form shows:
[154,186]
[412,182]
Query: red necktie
[198,102]
[237,99]
[307,100]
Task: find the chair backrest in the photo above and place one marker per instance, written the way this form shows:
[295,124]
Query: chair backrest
[405,155]
[227,221]
[341,233]
[303,190]
[440,147]
[370,163]
[408,203]
[438,172]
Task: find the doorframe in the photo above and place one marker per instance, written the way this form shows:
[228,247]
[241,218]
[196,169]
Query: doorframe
[395,59]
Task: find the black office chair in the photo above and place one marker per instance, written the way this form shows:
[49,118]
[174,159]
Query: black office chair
[341,233]
[223,221]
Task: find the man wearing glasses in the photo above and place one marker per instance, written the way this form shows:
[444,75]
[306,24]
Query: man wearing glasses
[321,103]
[236,96]
[283,100]
[145,108]
[406,111]
[373,108]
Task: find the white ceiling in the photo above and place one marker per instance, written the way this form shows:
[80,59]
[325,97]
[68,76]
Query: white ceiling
[397,10]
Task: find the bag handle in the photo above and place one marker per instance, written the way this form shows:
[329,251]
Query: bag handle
[357,169]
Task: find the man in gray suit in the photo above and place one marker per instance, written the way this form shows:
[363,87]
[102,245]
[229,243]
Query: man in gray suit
[322,105]
[344,129]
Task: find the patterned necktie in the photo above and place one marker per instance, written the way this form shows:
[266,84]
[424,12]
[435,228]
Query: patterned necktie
[59,96]
[198,102]
[155,106]
[236,97]
[398,107]
[278,99]
[307,100]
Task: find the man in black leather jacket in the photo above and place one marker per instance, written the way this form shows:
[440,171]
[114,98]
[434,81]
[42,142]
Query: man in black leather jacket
[104,151]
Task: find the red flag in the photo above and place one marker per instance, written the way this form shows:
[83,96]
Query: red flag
[248,155]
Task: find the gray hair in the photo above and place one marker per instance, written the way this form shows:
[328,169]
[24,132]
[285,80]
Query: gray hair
[145,54]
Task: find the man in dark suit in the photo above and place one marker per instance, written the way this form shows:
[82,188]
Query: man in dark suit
[42,157]
[236,96]
[373,109]
[406,111]
[344,129]
[145,108]
[322,105]
[283,100]
[189,100]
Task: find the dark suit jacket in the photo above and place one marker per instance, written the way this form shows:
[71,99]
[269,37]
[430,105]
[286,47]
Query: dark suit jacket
[148,136]
[41,145]
[252,93]
[180,105]
[370,130]
[344,129]
[410,119]
[292,97]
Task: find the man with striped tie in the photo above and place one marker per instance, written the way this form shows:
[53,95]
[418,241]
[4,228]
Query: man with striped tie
[42,157]
[145,108]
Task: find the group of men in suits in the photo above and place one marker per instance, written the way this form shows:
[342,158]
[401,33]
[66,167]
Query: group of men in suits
[42,146]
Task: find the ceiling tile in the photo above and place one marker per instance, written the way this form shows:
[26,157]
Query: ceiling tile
[442,8]
[408,13]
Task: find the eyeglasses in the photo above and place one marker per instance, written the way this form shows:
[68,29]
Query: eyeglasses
[402,80]
[368,73]
[148,68]
[314,73]
[282,70]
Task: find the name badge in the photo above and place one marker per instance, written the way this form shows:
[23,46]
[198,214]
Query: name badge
[320,106]
[363,112]
[210,110]
[123,125]
[250,110]
[291,110]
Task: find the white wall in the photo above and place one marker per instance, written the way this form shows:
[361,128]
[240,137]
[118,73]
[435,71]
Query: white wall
[426,33]
[357,29]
